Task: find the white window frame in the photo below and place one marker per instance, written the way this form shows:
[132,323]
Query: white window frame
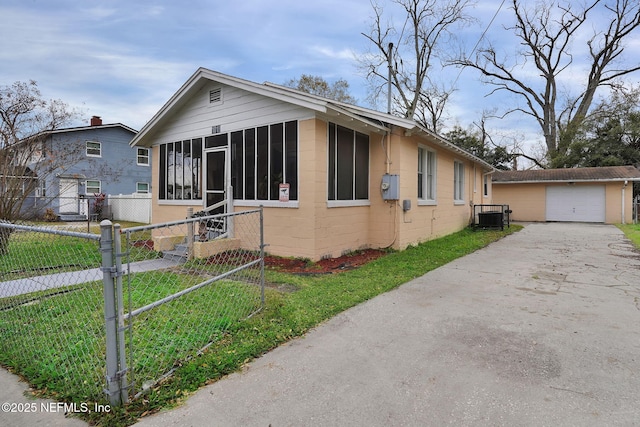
[143,156]
[99,149]
[41,189]
[458,182]
[427,173]
[485,185]
[138,184]
[87,186]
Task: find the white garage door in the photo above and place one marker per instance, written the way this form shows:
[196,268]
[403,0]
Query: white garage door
[579,203]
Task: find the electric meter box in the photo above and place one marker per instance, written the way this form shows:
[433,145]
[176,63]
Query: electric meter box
[390,187]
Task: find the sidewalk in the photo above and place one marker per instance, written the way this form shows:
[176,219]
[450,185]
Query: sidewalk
[58,280]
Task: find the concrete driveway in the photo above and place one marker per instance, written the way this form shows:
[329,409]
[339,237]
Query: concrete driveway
[540,328]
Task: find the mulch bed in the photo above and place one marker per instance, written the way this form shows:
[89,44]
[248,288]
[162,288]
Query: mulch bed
[324,266]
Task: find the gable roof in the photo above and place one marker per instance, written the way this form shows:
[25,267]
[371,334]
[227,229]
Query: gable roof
[81,128]
[380,122]
[605,173]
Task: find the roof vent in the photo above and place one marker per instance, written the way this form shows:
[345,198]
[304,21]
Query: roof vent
[215,95]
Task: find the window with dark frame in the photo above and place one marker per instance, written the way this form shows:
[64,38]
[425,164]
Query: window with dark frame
[263,158]
[181,170]
[348,164]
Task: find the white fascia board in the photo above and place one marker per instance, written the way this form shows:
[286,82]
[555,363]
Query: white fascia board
[335,111]
[565,181]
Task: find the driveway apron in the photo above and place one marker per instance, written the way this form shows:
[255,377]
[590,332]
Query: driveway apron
[539,328]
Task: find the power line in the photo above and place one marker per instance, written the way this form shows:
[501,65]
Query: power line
[484,33]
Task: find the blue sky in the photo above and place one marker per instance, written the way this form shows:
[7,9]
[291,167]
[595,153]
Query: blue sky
[123,59]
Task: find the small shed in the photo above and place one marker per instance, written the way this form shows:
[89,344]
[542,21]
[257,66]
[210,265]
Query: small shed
[594,194]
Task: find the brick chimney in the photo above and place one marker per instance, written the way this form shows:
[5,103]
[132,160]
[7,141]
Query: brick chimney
[96,121]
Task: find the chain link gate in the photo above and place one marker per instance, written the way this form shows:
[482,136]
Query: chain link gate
[185,286]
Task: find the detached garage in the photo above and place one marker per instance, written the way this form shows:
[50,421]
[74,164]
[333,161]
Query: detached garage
[601,194]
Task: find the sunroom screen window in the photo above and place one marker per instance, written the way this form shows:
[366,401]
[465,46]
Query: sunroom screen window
[181,170]
[348,164]
[262,159]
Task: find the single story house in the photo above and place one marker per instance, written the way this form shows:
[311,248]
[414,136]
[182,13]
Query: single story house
[595,194]
[332,177]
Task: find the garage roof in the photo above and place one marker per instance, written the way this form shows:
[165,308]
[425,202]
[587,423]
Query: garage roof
[605,173]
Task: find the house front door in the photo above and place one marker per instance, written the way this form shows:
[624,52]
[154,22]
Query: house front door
[216,183]
[68,196]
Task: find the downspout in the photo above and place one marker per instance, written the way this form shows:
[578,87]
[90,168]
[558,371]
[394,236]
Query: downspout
[389,97]
[388,151]
[623,194]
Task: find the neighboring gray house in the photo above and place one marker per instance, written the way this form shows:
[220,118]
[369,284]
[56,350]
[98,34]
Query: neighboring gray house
[101,161]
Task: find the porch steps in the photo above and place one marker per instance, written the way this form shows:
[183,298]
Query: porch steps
[70,217]
[180,253]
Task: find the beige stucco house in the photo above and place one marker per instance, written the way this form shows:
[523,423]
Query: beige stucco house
[332,177]
[597,194]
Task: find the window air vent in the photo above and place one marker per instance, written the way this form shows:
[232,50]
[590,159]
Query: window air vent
[215,95]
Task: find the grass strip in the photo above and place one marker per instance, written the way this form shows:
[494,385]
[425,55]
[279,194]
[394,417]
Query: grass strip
[632,231]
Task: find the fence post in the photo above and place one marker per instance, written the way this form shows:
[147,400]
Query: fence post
[122,355]
[262,255]
[230,218]
[106,248]
[190,234]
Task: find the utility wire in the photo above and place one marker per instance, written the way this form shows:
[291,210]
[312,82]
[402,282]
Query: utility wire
[484,33]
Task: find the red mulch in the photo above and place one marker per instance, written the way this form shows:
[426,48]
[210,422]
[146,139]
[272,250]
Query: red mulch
[324,266]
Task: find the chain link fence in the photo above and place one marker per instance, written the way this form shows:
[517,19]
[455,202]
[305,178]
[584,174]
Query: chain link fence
[84,314]
[51,309]
[207,277]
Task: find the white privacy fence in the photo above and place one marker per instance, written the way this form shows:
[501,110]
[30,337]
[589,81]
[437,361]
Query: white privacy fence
[134,207]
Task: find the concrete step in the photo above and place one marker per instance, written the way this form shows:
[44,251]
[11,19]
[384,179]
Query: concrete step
[178,254]
[72,217]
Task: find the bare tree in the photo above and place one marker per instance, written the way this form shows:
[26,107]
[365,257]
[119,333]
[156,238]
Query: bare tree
[25,120]
[404,57]
[546,35]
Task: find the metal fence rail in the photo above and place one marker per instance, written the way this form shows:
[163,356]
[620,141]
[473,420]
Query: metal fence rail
[90,316]
[201,287]
[51,309]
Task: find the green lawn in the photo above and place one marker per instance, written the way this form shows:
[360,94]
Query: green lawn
[632,231]
[286,315]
